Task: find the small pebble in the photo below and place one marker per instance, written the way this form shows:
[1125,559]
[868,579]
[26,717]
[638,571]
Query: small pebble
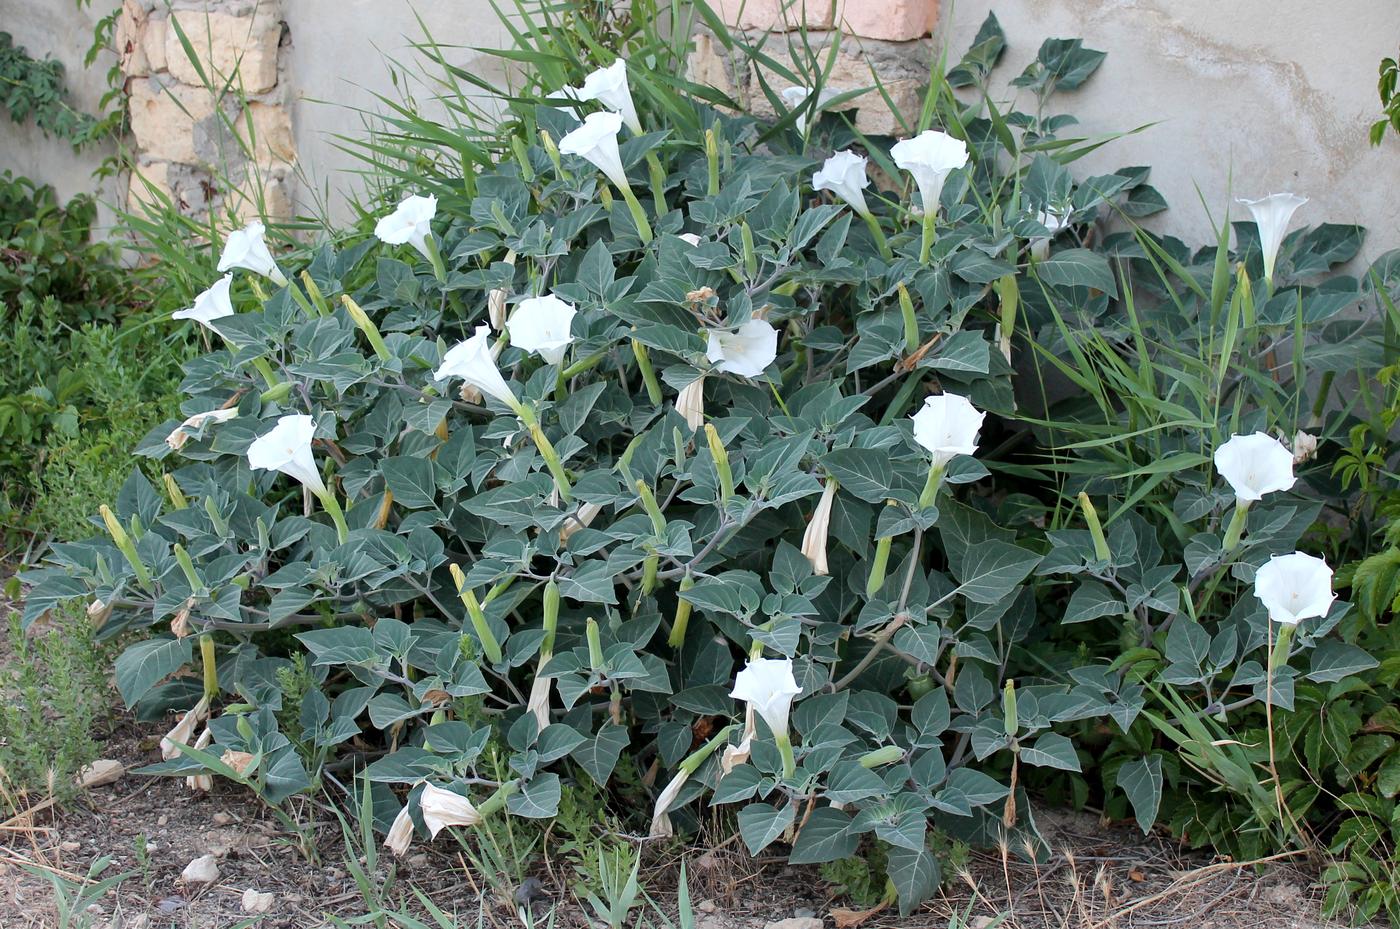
[70,846]
[164,820]
[255,902]
[223,819]
[796,922]
[203,870]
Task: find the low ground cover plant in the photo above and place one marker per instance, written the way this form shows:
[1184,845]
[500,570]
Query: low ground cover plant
[661,454]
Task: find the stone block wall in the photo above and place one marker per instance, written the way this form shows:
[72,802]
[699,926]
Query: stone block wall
[884,38]
[212,130]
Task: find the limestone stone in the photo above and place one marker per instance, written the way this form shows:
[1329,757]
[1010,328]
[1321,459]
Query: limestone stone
[163,119]
[891,20]
[127,39]
[271,140]
[224,44]
[153,41]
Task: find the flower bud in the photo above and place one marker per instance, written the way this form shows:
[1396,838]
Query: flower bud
[721,457]
[882,756]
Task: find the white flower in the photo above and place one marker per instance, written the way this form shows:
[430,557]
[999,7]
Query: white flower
[660,822]
[768,685]
[201,783]
[690,403]
[947,426]
[400,833]
[1053,222]
[245,248]
[814,539]
[844,175]
[181,433]
[795,97]
[1294,587]
[411,222]
[1304,447]
[541,325]
[587,512]
[929,157]
[184,730]
[287,448]
[1271,216]
[442,808]
[745,352]
[735,755]
[210,305]
[1255,465]
[610,88]
[596,140]
[472,361]
[538,704]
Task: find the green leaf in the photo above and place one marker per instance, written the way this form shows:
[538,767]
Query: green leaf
[146,664]
[825,837]
[1332,661]
[598,756]
[1078,267]
[761,823]
[411,481]
[915,875]
[863,472]
[1051,750]
[992,570]
[1092,600]
[539,799]
[1141,780]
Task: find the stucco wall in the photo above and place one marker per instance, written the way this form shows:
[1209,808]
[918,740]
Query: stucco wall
[1249,97]
[58,29]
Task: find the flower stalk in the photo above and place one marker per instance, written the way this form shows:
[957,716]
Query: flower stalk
[1234,532]
[682,618]
[931,486]
[124,545]
[647,371]
[547,451]
[721,457]
[367,326]
[1091,517]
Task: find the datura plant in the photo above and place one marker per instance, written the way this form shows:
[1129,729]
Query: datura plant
[672,442]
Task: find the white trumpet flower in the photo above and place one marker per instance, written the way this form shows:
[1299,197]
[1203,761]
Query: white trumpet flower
[796,97]
[247,249]
[609,87]
[690,403]
[1255,465]
[1271,217]
[818,528]
[596,140]
[183,730]
[474,363]
[442,808]
[1294,588]
[411,223]
[844,175]
[769,687]
[181,434]
[541,325]
[287,448]
[946,426]
[400,834]
[929,157]
[210,305]
[747,351]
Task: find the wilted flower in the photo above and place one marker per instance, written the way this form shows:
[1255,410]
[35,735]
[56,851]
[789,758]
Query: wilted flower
[814,539]
[930,156]
[245,248]
[596,140]
[210,305]
[844,175]
[1053,222]
[1255,465]
[609,87]
[411,223]
[1271,216]
[202,782]
[660,822]
[1304,447]
[442,808]
[747,351]
[947,426]
[400,833]
[795,97]
[181,433]
[587,512]
[238,761]
[768,685]
[1294,587]
[473,362]
[538,704]
[287,448]
[541,325]
[183,730]
[735,755]
[690,403]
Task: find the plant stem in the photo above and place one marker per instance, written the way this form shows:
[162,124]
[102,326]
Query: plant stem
[435,259]
[926,243]
[878,234]
[639,215]
[1235,531]
[785,749]
[648,372]
[337,515]
[935,480]
[546,448]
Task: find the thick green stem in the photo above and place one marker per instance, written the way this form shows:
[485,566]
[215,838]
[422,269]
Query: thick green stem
[878,234]
[476,615]
[648,372]
[657,176]
[785,749]
[435,259]
[682,620]
[639,215]
[1235,531]
[498,799]
[935,480]
[1091,517]
[911,322]
[337,515]
[211,667]
[547,452]
[926,243]
[261,365]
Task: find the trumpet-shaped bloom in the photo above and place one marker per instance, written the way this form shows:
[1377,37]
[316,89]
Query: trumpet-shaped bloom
[795,97]
[287,448]
[183,731]
[1294,587]
[411,223]
[1053,222]
[442,808]
[660,822]
[609,87]
[747,351]
[247,249]
[844,175]
[768,685]
[210,305]
[1271,216]
[929,157]
[814,539]
[473,362]
[181,433]
[947,425]
[690,403]
[400,833]
[596,140]
[541,325]
[587,512]
[1255,465]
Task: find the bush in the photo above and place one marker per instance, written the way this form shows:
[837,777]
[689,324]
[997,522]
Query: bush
[692,444]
